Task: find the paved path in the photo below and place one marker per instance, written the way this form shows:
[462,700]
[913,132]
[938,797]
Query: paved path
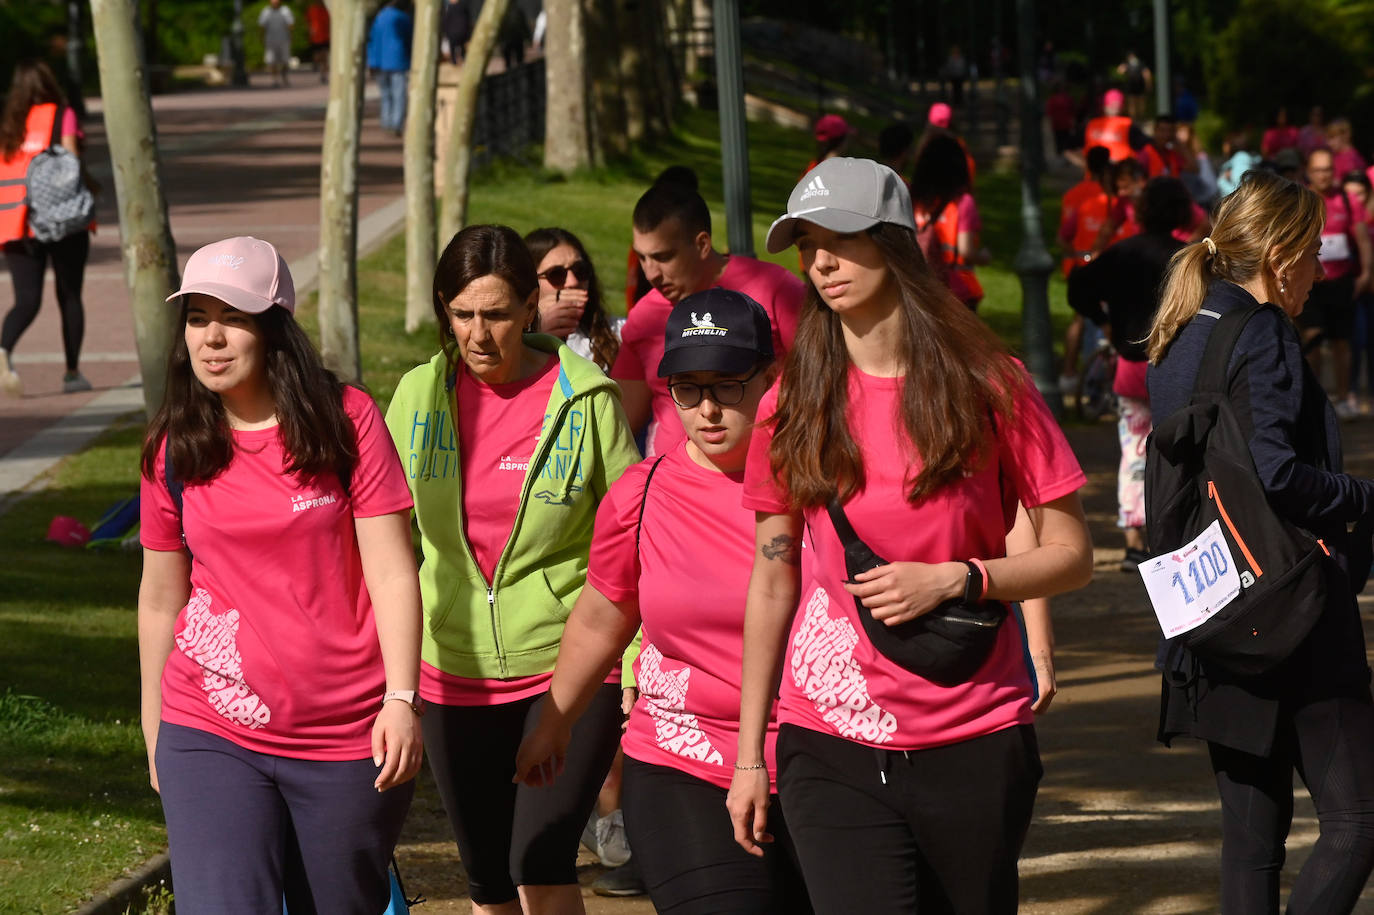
[235,162]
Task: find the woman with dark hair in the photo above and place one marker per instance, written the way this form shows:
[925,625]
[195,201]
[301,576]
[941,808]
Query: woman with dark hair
[510,440]
[907,785]
[35,117]
[570,306]
[947,220]
[1313,712]
[279,610]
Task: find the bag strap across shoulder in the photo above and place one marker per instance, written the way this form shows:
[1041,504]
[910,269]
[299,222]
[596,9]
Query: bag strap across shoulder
[840,520]
[56,139]
[1213,376]
[644,499]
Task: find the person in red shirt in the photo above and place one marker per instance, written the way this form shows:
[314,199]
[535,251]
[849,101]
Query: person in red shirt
[1083,211]
[902,410]
[1128,178]
[1282,135]
[1164,155]
[279,609]
[947,220]
[672,236]
[317,23]
[1329,315]
[661,523]
[1060,110]
[1111,129]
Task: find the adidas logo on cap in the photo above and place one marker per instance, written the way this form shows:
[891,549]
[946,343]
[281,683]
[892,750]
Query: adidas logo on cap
[815,188]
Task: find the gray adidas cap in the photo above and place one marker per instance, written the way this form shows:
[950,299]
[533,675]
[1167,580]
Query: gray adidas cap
[843,195]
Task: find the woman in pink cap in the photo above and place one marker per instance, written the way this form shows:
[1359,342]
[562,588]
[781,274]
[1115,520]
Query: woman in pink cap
[279,610]
[832,134]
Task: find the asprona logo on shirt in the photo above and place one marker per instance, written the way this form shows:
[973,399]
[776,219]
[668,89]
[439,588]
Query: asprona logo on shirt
[210,640]
[511,462]
[306,501]
[665,691]
[823,667]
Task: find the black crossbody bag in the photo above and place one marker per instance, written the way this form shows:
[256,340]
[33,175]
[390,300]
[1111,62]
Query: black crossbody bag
[948,645]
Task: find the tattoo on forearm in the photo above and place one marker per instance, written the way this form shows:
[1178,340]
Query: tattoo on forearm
[783,547]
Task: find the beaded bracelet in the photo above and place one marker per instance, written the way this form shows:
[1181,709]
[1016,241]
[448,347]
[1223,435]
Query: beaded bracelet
[739,768]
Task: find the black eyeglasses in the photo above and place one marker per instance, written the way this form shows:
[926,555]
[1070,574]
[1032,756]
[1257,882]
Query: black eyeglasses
[557,276]
[723,393]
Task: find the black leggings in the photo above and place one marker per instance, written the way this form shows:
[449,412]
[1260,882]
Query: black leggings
[926,831]
[512,835]
[1330,743]
[27,259]
[680,831]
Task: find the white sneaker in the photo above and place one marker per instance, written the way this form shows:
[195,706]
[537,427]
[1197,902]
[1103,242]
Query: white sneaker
[1346,411]
[605,837]
[9,379]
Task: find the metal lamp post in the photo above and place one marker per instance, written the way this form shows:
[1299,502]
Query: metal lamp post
[734,139]
[1033,263]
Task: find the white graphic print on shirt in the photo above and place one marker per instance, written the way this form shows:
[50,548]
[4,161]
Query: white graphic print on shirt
[666,690]
[211,640]
[823,667]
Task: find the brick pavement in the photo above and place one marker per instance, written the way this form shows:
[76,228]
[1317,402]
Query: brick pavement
[235,161]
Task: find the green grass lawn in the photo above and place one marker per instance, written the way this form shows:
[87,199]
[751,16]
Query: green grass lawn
[75,808]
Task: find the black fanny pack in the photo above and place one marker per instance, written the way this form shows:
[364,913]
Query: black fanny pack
[948,645]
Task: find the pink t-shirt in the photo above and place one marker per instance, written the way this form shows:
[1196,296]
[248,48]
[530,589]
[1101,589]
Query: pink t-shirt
[1339,255]
[498,427]
[833,680]
[641,339]
[277,650]
[688,670]
[1346,161]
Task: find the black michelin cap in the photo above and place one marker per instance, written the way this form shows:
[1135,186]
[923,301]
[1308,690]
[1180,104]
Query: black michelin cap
[719,330]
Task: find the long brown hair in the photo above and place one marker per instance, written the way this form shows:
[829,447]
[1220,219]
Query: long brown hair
[314,427]
[33,84]
[1266,221]
[956,370]
[595,326]
[475,252]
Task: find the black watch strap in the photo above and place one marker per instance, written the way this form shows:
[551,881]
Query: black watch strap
[973,583]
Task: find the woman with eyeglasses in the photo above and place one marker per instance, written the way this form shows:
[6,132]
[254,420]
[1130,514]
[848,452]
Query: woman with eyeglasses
[672,551]
[510,441]
[570,306]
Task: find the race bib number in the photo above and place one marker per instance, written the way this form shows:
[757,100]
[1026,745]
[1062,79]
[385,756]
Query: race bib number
[1188,585]
[1335,247]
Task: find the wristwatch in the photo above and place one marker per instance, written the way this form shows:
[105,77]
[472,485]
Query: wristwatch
[409,696]
[973,583]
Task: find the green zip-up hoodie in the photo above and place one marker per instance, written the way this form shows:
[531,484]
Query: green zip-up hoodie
[511,626]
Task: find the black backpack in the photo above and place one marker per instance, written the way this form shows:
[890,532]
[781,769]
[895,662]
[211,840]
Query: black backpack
[1198,470]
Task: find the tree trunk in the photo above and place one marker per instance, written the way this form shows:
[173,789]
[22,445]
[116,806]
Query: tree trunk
[566,144]
[150,258]
[419,165]
[459,158]
[338,278]
[608,97]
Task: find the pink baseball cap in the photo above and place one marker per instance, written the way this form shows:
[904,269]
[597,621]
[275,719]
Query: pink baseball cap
[244,272]
[1113,98]
[831,127]
[68,531]
[940,115]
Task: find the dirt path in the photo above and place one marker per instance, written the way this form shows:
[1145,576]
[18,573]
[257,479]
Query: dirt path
[1122,825]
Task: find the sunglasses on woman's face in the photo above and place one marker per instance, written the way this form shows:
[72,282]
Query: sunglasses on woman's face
[557,276]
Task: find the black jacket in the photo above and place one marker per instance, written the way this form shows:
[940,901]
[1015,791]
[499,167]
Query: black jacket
[1295,444]
[1126,277]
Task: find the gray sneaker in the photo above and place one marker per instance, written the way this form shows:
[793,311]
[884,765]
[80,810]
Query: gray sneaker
[75,383]
[620,881]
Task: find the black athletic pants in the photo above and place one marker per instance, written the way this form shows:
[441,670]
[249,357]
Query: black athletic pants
[682,838]
[26,260]
[512,835]
[925,831]
[1330,743]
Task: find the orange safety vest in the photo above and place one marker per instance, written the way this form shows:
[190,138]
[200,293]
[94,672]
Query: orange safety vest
[1111,132]
[1156,165]
[14,214]
[947,238]
[1092,213]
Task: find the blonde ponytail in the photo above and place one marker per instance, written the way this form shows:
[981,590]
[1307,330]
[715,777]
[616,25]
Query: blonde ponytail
[1268,221]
